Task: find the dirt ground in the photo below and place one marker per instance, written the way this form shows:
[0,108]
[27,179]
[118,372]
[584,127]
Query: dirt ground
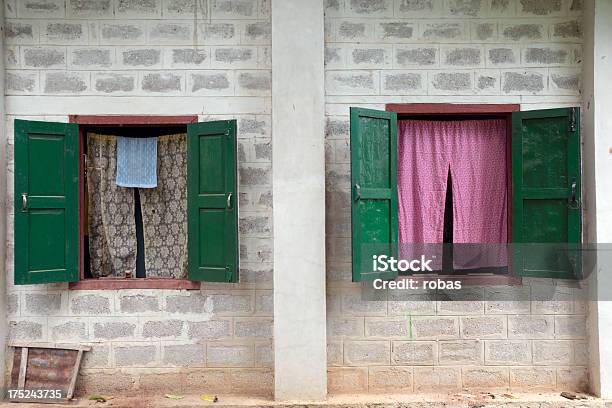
[461,399]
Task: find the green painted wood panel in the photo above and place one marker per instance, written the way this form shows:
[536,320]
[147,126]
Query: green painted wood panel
[46,202]
[546,193]
[212,201]
[374,190]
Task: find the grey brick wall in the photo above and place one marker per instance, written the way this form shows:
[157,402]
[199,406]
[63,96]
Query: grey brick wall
[526,52]
[154,53]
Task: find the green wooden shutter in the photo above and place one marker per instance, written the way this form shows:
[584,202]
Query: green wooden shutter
[546,200]
[374,190]
[212,201]
[46,202]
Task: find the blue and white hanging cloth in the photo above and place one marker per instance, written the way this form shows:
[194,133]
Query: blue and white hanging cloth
[137,162]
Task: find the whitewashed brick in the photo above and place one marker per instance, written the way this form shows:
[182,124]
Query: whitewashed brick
[508,300]
[570,327]
[358,353]
[531,327]
[524,82]
[454,57]
[484,31]
[140,9]
[91,57]
[43,57]
[487,82]
[419,8]
[90,9]
[443,31]
[234,57]
[574,378]
[553,352]
[186,58]
[253,83]
[413,56]
[503,55]
[163,82]
[10,8]
[41,9]
[21,82]
[462,352]
[485,377]
[170,32]
[413,352]
[387,328]
[436,379]
[532,378]
[11,57]
[353,31]
[484,327]
[450,82]
[508,352]
[230,355]
[352,82]
[369,9]
[60,32]
[139,57]
[395,31]
[59,82]
[369,57]
[122,32]
[389,379]
[22,32]
[345,327]
[257,33]
[116,83]
[565,81]
[233,9]
[435,327]
[218,33]
[523,31]
[184,9]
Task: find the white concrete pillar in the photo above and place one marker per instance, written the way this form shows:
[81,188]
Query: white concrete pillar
[3,195]
[300,363]
[597,164]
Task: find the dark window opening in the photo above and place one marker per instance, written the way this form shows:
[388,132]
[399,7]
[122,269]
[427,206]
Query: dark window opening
[140,259]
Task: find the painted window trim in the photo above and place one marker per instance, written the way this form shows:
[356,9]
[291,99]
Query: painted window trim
[85,121]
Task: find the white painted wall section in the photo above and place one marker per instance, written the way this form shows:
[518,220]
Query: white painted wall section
[599,154]
[3,294]
[299,199]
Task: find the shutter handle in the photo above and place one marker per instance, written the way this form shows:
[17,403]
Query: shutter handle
[24,202]
[573,202]
[229,200]
[357,192]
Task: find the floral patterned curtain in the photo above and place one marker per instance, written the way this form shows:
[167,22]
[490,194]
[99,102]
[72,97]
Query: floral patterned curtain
[111,220]
[164,211]
[111,224]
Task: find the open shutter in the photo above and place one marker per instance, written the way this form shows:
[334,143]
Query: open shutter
[374,190]
[546,204]
[46,202]
[212,201]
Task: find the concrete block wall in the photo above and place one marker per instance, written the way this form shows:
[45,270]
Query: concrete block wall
[526,52]
[153,57]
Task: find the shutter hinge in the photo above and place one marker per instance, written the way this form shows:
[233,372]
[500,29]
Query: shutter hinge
[228,274]
[572,120]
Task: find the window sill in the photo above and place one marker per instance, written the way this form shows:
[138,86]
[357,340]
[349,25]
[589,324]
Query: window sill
[120,283]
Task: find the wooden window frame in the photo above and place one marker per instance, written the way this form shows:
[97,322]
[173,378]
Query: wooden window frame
[504,111]
[86,122]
